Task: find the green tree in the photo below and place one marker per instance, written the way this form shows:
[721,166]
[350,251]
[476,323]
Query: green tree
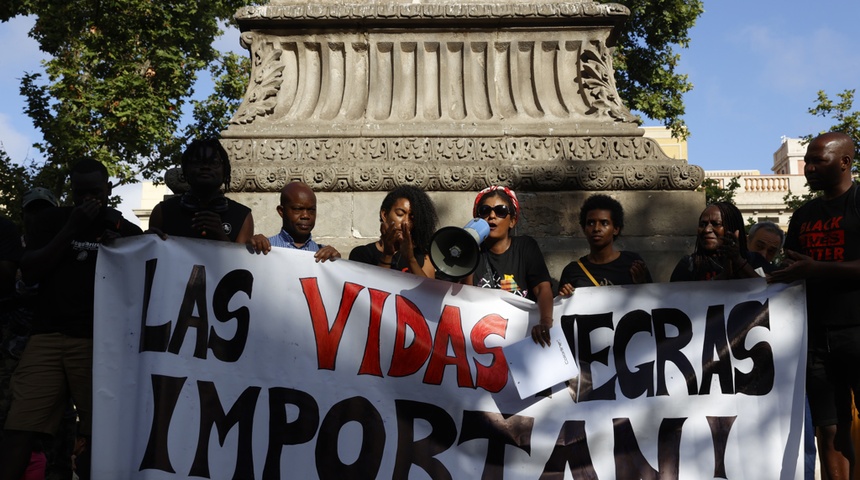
[646,61]
[846,120]
[714,192]
[14,181]
[121,74]
[118,78]
[211,115]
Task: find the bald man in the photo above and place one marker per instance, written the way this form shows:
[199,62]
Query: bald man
[823,247]
[298,209]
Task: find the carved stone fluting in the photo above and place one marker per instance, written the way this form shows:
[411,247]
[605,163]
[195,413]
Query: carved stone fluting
[352,95]
[458,164]
[475,82]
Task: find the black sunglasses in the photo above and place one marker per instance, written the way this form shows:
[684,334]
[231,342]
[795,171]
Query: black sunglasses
[502,211]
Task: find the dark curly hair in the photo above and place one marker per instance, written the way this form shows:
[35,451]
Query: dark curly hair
[733,220]
[423,213]
[603,202]
[200,148]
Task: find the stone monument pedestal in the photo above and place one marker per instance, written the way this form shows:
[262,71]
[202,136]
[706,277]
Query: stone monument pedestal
[357,97]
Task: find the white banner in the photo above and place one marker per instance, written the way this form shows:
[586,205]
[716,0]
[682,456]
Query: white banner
[213,362]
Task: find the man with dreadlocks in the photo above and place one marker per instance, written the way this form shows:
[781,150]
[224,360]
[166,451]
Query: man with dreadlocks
[204,211]
[721,248]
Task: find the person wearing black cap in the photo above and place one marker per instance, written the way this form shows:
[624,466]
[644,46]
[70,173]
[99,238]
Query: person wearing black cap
[57,361]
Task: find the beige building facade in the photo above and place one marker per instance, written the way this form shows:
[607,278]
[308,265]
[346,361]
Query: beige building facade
[760,197]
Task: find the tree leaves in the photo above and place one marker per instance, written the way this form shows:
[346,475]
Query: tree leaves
[120,74]
[645,58]
[846,120]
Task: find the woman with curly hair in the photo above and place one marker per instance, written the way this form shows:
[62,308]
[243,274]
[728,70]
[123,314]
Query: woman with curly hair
[407,220]
[721,248]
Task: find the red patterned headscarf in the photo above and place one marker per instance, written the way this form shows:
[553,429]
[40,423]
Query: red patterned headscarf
[510,193]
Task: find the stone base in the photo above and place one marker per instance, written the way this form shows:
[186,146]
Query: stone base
[660,225]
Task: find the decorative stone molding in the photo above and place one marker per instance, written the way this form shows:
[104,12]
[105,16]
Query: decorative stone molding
[459,164]
[352,95]
[399,11]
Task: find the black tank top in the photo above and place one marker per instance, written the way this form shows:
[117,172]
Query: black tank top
[176,216]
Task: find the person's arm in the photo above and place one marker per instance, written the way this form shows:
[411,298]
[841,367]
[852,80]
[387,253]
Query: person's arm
[10,255]
[156,222]
[259,243]
[742,268]
[37,263]
[326,252]
[798,267]
[639,272]
[565,283]
[734,264]
[407,250]
[388,237]
[207,224]
[247,230]
[540,332]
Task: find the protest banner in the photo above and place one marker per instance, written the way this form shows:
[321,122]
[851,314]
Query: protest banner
[213,362]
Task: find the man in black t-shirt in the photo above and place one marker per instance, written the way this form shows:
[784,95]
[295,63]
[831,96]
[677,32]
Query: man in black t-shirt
[57,362]
[823,247]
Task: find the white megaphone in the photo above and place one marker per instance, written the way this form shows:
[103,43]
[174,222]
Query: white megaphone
[455,251]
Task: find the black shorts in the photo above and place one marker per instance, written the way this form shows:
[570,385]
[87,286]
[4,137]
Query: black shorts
[832,372]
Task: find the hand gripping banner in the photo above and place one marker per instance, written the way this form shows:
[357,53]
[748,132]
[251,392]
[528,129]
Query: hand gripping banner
[213,362]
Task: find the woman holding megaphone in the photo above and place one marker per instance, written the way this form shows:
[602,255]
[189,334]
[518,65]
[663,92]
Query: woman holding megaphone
[407,219]
[511,263]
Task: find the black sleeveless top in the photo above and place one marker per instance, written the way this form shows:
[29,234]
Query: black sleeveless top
[176,215]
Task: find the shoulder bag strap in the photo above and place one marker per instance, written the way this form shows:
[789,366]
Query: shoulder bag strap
[590,276]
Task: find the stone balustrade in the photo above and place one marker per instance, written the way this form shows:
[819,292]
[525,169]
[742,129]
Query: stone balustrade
[767,183]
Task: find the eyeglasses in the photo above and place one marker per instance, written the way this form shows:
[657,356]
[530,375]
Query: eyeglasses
[501,211]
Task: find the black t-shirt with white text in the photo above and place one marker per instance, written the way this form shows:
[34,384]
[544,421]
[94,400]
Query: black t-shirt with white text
[66,293]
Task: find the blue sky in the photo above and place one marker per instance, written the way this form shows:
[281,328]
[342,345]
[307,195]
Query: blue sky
[756,67]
